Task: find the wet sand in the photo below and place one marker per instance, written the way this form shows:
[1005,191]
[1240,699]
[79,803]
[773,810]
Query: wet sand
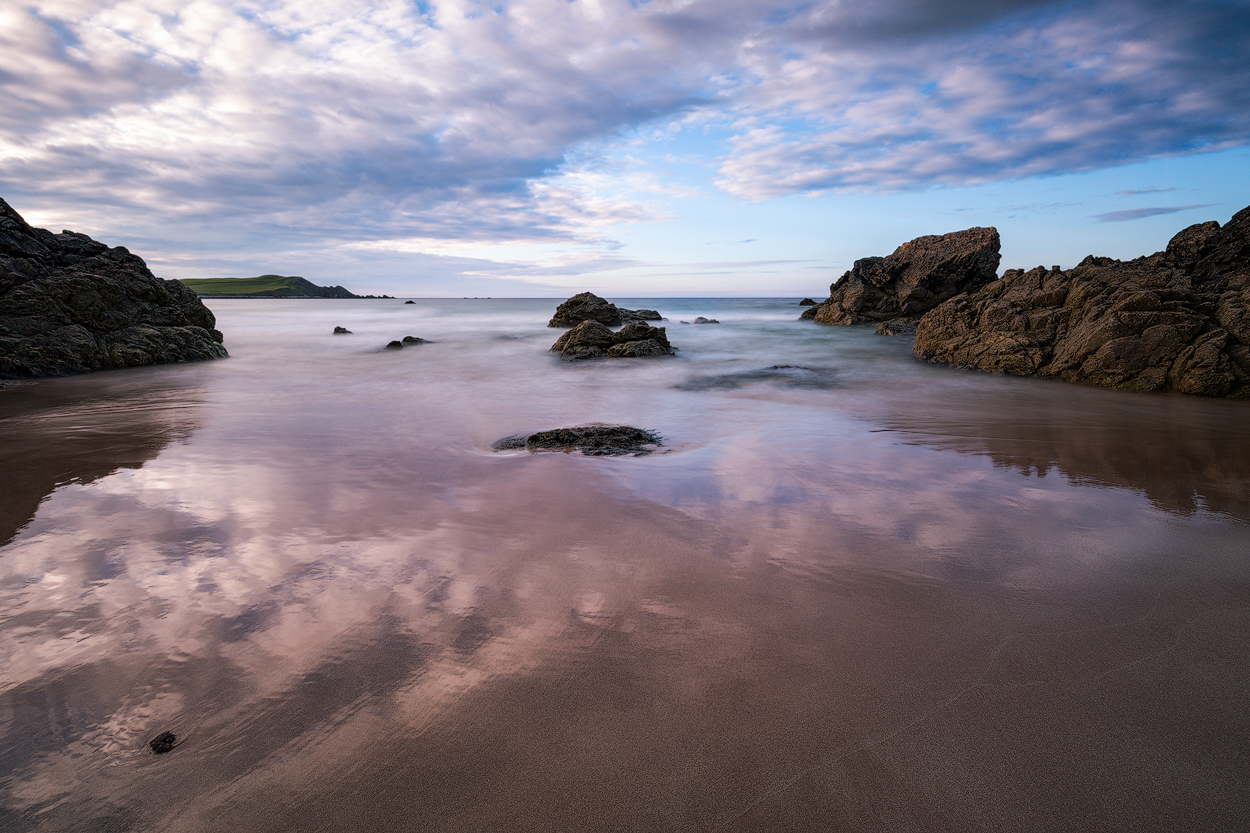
[881,596]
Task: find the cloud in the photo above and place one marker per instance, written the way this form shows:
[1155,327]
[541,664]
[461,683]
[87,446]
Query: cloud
[461,120]
[1141,213]
[1144,191]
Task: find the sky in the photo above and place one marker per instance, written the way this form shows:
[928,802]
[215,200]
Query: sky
[632,148]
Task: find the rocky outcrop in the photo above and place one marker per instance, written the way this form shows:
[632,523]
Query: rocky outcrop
[702,320]
[807,302]
[587,306]
[69,304]
[1176,320]
[917,277]
[342,331]
[592,340]
[590,440]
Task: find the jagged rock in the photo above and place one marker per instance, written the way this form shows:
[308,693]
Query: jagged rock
[163,742]
[340,331]
[1176,320]
[592,340]
[702,320]
[917,277]
[897,327]
[69,304]
[587,306]
[807,302]
[591,440]
[395,345]
[415,340]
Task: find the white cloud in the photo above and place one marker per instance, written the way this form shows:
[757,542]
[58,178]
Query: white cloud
[383,120]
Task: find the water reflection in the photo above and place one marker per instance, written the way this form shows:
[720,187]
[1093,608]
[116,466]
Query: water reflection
[79,430]
[1185,455]
[355,618]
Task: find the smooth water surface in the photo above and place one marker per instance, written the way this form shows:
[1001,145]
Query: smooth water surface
[856,592]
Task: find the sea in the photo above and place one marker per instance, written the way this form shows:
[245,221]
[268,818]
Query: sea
[851,591]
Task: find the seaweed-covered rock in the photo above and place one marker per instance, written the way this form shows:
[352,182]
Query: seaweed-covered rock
[587,306]
[1176,320]
[917,277]
[591,440]
[69,304]
[592,340]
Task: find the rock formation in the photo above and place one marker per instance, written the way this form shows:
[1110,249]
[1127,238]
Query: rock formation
[342,331]
[1176,320]
[69,304]
[702,320]
[592,340]
[591,440]
[587,306]
[807,302]
[915,279]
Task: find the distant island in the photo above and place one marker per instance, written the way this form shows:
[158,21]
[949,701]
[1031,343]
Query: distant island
[267,286]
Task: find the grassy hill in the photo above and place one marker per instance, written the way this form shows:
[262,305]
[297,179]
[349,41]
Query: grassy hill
[265,286]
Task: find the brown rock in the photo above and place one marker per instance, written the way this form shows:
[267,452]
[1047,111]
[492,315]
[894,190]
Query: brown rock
[592,340]
[1176,320]
[587,306]
[917,277]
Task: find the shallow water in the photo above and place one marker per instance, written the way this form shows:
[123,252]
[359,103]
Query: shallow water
[856,591]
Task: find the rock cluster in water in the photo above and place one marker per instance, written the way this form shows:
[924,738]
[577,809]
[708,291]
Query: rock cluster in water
[587,306]
[69,304]
[1176,320]
[591,440]
[917,277]
[592,340]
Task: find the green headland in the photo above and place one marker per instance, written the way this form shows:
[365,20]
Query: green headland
[267,286]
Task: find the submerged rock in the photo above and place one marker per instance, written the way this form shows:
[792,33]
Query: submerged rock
[409,302]
[592,340]
[917,277]
[415,340]
[702,320]
[587,306]
[69,304]
[163,742]
[395,345]
[897,327]
[1177,320]
[590,440]
[339,331]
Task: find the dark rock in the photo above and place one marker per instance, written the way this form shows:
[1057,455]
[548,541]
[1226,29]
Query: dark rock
[69,304]
[163,742]
[702,320]
[1176,320]
[683,322]
[591,440]
[592,340]
[409,302]
[587,306]
[917,277]
[415,340]
[807,302]
[897,327]
[339,331]
[395,345]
